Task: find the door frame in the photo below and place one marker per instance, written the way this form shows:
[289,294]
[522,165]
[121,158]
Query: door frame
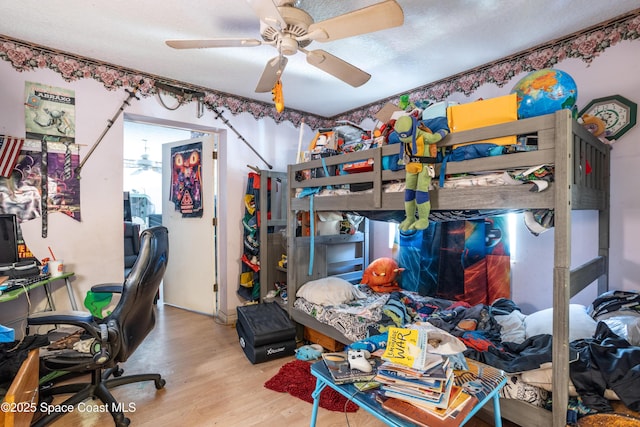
[159,122]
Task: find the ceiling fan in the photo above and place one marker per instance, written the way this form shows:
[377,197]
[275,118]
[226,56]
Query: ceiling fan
[290,30]
[144,163]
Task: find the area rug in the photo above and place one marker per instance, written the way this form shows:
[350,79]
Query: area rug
[609,420]
[296,379]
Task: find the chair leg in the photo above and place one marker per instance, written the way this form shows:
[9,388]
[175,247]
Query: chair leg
[64,389]
[116,371]
[116,409]
[82,392]
[98,388]
[130,379]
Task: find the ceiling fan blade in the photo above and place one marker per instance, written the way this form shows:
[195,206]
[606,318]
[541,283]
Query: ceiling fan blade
[203,44]
[376,17]
[272,72]
[268,13]
[335,66]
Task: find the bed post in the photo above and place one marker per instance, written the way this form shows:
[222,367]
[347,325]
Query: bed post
[562,259]
[292,222]
[603,223]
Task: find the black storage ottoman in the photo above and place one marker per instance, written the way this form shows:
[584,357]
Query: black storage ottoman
[265,332]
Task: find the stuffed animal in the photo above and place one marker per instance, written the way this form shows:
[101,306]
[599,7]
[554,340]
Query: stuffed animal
[309,352]
[596,126]
[420,151]
[381,275]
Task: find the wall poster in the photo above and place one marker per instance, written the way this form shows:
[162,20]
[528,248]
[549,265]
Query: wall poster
[186,179]
[50,117]
[49,111]
[21,192]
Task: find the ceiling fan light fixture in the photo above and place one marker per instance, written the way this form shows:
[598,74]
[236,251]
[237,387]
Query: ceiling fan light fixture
[288,46]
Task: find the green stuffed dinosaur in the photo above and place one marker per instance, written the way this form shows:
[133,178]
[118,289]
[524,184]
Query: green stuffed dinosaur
[420,150]
[96,302]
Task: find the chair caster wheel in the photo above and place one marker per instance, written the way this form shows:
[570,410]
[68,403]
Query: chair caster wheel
[160,383]
[124,422]
[118,372]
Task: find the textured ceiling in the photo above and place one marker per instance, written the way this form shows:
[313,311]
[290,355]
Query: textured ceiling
[438,39]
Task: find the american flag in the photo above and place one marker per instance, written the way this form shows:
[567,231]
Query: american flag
[9,152]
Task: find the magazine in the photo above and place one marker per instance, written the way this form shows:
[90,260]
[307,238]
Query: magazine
[423,398]
[479,379]
[457,400]
[440,371]
[338,366]
[453,416]
[394,377]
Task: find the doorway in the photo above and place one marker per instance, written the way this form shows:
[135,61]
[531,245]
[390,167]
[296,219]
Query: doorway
[142,178]
[143,181]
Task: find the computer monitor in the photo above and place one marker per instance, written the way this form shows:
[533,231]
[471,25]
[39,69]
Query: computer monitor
[8,239]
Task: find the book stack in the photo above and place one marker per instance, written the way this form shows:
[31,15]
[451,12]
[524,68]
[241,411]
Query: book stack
[433,389]
[420,386]
[469,387]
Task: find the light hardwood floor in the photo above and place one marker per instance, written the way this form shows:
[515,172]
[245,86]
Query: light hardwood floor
[209,383]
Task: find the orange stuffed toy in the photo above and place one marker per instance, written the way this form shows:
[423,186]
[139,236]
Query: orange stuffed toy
[381,275]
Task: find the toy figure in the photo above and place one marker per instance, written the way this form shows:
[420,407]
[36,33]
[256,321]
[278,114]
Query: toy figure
[420,151]
[596,126]
[381,275]
[309,352]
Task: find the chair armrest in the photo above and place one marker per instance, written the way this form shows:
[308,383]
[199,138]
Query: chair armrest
[83,319]
[107,288]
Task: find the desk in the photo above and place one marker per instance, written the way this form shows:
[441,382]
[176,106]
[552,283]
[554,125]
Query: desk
[14,294]
[367,400]
[23,392]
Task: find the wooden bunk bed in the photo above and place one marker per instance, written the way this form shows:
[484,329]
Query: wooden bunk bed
[562,142]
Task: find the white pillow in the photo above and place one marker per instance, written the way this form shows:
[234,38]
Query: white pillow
[581,325]
[328,291]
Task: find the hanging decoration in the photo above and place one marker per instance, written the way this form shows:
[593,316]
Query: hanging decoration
[49,111]
[63,189]
[20,192]
[37,183]
[50,117]
[186,179]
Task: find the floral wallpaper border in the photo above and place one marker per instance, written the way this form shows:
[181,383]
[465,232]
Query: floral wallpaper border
[585,45]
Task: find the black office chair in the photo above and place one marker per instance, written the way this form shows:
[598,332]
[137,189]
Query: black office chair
[131,245]
[116,336]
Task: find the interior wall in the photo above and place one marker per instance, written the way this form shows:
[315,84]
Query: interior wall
[92,248]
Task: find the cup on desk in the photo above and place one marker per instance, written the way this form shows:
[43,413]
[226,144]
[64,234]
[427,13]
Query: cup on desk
[56,268]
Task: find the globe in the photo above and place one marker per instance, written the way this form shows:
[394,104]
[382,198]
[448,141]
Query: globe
[545,91]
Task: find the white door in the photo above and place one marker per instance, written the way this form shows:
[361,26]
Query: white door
[189,181]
